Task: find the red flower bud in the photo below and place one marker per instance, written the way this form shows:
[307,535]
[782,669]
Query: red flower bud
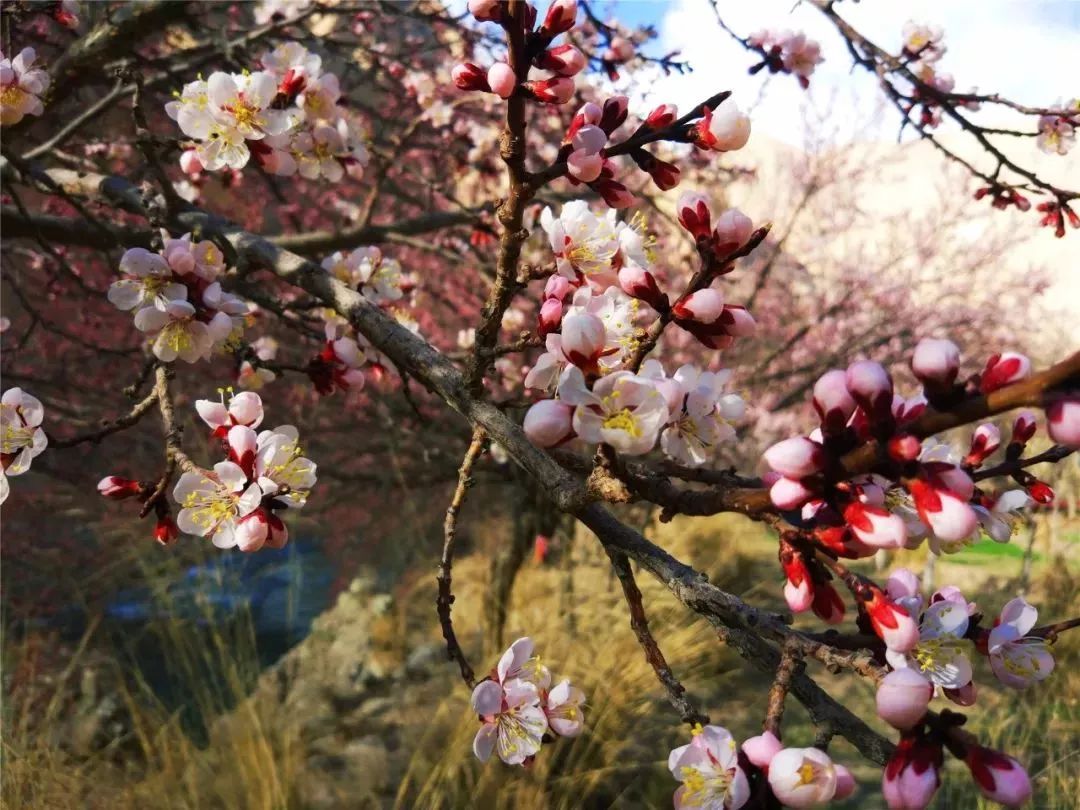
[560,18]
[468,76]
[165,530]
[117,488]
[662,116]
[1004,369]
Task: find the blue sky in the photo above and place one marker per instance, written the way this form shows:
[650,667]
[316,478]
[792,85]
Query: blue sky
[1025,49]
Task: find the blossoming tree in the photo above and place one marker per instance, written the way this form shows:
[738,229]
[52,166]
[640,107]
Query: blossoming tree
[325,199]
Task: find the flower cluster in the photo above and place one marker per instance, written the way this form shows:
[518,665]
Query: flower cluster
[603,291]
[714,774]
[286,115]
[22,438]
[922,50]
[381,281]
[21,87]
[251,373]
[917,490]
[949,626]
[239,503]
[178,300]
[786,52]
[949,629]
[519,709]
[914,489]
[561,63]
[366,270]
[585,145]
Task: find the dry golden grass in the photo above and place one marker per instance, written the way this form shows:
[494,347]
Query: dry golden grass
[573,609]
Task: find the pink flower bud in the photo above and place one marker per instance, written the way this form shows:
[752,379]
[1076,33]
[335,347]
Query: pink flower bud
[616,195]
[1024,427]
[662,116]
[875,525]
[903,584]
[903,697]
[638,282]
[485,10]
[190,163]
[797,457]
[501,79]
[761,749]
[588,114]
[590,139]
[1000,778]
[1063,421]
[565,60]
[583,166]
[832,401]
[890,622]
[912,774]
[845,783]
[703,306]
[614,113]
[723,130]
[799,597]
[557,287]
[620,50]
[802,777]
[117,488]
[789,493]
[948,516]
[241,441]
[694,214]
[985,440]
[871,386]
[551,312]
[558,90]
[560,18]
[468,76]
[583,338]
[951,477]
[548,422]
[252,530]
[1004,369]
[904,447]
[737,321]
[732,230]
[936,361]
[246,408]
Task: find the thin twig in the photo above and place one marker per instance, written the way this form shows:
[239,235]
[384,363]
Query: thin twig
[791,664]
[445,599]
[676,692]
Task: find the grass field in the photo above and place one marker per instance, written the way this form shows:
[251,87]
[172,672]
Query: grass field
[573,609]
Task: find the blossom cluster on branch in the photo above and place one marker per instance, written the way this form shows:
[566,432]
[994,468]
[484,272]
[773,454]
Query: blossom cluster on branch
[519,709]
[604,393]
[178,300]
[286,115]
